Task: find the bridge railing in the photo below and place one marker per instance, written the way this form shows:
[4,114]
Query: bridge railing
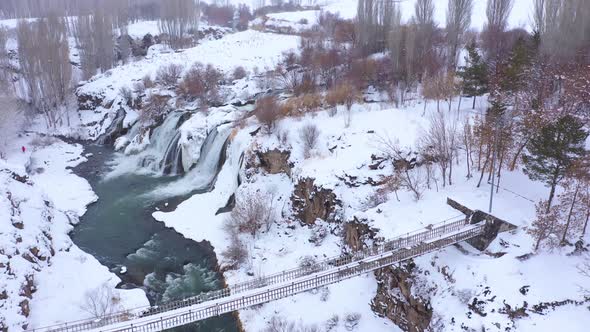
[214,308]
[426,234]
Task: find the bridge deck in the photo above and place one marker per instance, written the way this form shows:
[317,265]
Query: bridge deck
[280,285]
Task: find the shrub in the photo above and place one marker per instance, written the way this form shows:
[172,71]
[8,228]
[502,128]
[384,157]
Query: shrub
[251,215]
[169,75]
[127,95]
[309,134]
[281,324]
[139,87]
[239,73]
[351,321]
[147,81]
[267,112]
[301,105]
[201,82]
[154,106]
[236,253]
[310,263]
[332,323]
[318,234]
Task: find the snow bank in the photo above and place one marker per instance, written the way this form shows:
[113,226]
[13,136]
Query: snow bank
[249,49]
[46,276]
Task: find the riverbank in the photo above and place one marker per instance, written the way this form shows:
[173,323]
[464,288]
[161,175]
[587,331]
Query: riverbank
[48,276]
[120,232]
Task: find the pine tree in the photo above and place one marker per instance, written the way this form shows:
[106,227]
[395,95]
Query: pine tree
[474,74]
[553,150]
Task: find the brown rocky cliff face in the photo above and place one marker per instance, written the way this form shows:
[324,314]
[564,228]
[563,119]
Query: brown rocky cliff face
[311,202]
[356,233]
[395,300]
[275,161]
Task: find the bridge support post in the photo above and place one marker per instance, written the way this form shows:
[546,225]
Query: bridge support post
[493,225]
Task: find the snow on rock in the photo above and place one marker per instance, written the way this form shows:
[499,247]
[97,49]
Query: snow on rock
[248,49]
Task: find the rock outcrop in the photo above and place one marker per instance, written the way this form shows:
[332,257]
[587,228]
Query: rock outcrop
[396,301]
[356,234]
[275,161]
[114,130]
[311,202]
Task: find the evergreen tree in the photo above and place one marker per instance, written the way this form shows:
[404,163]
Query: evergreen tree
[553,150]
[474,74]
[512,79]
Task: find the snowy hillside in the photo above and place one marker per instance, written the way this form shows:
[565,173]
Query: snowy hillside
[244,154]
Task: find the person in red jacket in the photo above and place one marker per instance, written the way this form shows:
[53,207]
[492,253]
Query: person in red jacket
[24,149]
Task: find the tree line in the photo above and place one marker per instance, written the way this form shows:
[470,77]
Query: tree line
[536,82]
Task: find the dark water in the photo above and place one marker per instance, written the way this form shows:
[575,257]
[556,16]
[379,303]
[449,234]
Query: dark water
[119,231]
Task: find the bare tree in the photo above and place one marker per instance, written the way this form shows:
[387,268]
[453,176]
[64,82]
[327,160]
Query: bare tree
[252,214]
[309,134]
[497,13]
[458,21]
[267,112]
[101,301]
[425,29]
[95,39]
[373,23]
[440,142]
[563,25]
[11,120]
[44,66]
[124,45]
[179,20]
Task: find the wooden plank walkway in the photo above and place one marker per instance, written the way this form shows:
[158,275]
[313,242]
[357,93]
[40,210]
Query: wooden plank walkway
[280,285]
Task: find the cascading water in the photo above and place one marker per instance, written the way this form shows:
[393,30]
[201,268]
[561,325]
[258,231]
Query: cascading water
[172,162]
[163,153]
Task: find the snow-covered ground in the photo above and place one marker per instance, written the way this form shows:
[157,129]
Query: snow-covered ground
[36,218]
[249,49]
[351,149]
[342,151]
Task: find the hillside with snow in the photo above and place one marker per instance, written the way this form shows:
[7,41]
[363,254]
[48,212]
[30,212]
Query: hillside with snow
[276,147]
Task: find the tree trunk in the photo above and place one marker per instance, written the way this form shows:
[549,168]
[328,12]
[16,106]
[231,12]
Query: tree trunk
[474,102]
[586,223]
[451,171]
[569,215]
[467,158]
[539,238]
[552,192]
[438,105]
[459,106]
[424,111]
[502,156]
[518,152]
[483,170]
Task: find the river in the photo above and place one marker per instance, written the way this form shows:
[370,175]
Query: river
[120,232]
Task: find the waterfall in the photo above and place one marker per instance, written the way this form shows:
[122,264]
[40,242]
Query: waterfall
[211,158]
[172,162]
[163,153]
[114,129]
